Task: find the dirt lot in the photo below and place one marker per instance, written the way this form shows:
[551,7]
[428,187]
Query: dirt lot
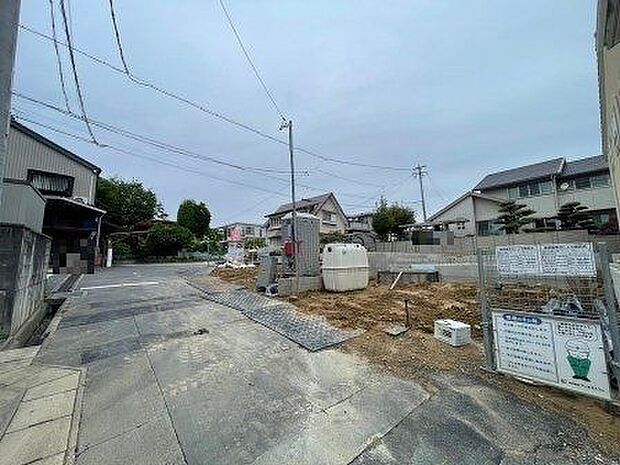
[418,355]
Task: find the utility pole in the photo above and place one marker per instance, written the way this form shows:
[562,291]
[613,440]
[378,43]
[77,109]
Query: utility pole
[9,20]
[418,171]
[288,124]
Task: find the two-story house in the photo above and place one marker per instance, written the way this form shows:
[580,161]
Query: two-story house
[243,231]
[67,184]
[324,206]
[544,187]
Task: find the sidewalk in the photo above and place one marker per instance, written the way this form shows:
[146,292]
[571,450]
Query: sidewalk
[38,415]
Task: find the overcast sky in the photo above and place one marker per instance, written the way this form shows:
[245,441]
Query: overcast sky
[464,87]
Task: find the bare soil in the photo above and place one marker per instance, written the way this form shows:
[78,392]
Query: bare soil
[417,354]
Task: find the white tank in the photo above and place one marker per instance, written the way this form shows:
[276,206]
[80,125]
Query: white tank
[345,267]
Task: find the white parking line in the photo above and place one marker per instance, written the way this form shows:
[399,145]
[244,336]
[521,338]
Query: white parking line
[110,286]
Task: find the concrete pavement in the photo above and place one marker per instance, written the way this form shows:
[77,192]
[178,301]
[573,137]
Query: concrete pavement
[171,378]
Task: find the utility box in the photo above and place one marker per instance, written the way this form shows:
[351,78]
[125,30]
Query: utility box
[455,333]
[266,272]
[307,234]
[345,267]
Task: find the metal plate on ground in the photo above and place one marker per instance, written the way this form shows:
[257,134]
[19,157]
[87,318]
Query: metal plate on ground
[311,332]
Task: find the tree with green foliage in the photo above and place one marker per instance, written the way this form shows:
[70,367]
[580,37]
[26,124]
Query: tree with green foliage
[333,237]
[513,216]
[254,243]
[574,215]
[389,220]
[164,240]
[194,216]
[128,204]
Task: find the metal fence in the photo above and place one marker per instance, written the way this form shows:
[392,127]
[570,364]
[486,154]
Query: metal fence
[560,296]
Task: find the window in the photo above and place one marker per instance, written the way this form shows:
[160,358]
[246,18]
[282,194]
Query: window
[329,217]
[51,183]
[582,183]
[488,228]
[601,180]
[248,230]
[529,189]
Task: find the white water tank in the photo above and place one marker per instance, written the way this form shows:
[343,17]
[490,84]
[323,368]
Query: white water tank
[345,267]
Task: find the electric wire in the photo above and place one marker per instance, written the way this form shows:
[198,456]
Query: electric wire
[74,70]
[250,61]
[61,73]
[117,35]
[146,157]
[202,108]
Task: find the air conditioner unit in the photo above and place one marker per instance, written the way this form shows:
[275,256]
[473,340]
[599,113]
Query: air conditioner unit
[81,199]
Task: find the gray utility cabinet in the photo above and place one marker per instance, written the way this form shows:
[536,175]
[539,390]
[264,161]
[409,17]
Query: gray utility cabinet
[307,231]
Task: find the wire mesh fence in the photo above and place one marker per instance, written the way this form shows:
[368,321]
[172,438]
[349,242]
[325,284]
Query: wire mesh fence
[583,293]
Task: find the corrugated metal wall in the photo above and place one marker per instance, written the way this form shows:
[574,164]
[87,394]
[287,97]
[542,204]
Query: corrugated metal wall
[25,153]
[21,204]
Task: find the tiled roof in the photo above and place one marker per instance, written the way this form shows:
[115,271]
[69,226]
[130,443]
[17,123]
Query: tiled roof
[523,173]
[585,165]
[303,203]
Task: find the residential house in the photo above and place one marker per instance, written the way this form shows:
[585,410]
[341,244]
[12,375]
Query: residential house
[544,187]
[360,222]
[324,206]
[360,230]
[65,185]
[245,231]
[608,54]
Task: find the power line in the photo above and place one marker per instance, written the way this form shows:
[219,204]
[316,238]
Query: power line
[249,59]
[117,35]
[202,108]
[146,157]
[145,139]
[74,69]
[61,74]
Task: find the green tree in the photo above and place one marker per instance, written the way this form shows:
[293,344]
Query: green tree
[167,239]
[194,216]
[513,216]
[573,215]
[254,243]
[389,220]
[333,237]
[128,204]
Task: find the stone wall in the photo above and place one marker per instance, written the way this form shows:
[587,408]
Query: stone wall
[24,257]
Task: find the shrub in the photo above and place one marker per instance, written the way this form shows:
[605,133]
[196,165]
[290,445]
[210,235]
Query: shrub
[167,239]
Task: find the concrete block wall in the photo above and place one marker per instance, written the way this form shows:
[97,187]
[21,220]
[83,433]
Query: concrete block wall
[24,256]
[452,268]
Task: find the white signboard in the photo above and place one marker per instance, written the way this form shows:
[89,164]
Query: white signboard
[563,352]
[573,259]
[518,259]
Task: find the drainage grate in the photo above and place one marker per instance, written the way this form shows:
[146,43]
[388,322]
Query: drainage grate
[68,283]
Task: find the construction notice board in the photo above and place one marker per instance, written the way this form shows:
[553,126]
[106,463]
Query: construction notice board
[564,352]
[572,259]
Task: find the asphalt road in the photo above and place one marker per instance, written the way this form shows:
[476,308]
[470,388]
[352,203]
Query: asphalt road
[172,378]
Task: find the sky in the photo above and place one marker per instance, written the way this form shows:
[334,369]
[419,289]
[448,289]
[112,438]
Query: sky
[463,87]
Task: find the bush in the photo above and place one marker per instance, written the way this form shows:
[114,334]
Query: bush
[165,240]
[122,251]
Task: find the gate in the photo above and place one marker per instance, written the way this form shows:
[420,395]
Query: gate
[549,315]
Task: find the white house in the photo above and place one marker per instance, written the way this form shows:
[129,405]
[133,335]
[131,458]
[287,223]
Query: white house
[325,206]
[544,187]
